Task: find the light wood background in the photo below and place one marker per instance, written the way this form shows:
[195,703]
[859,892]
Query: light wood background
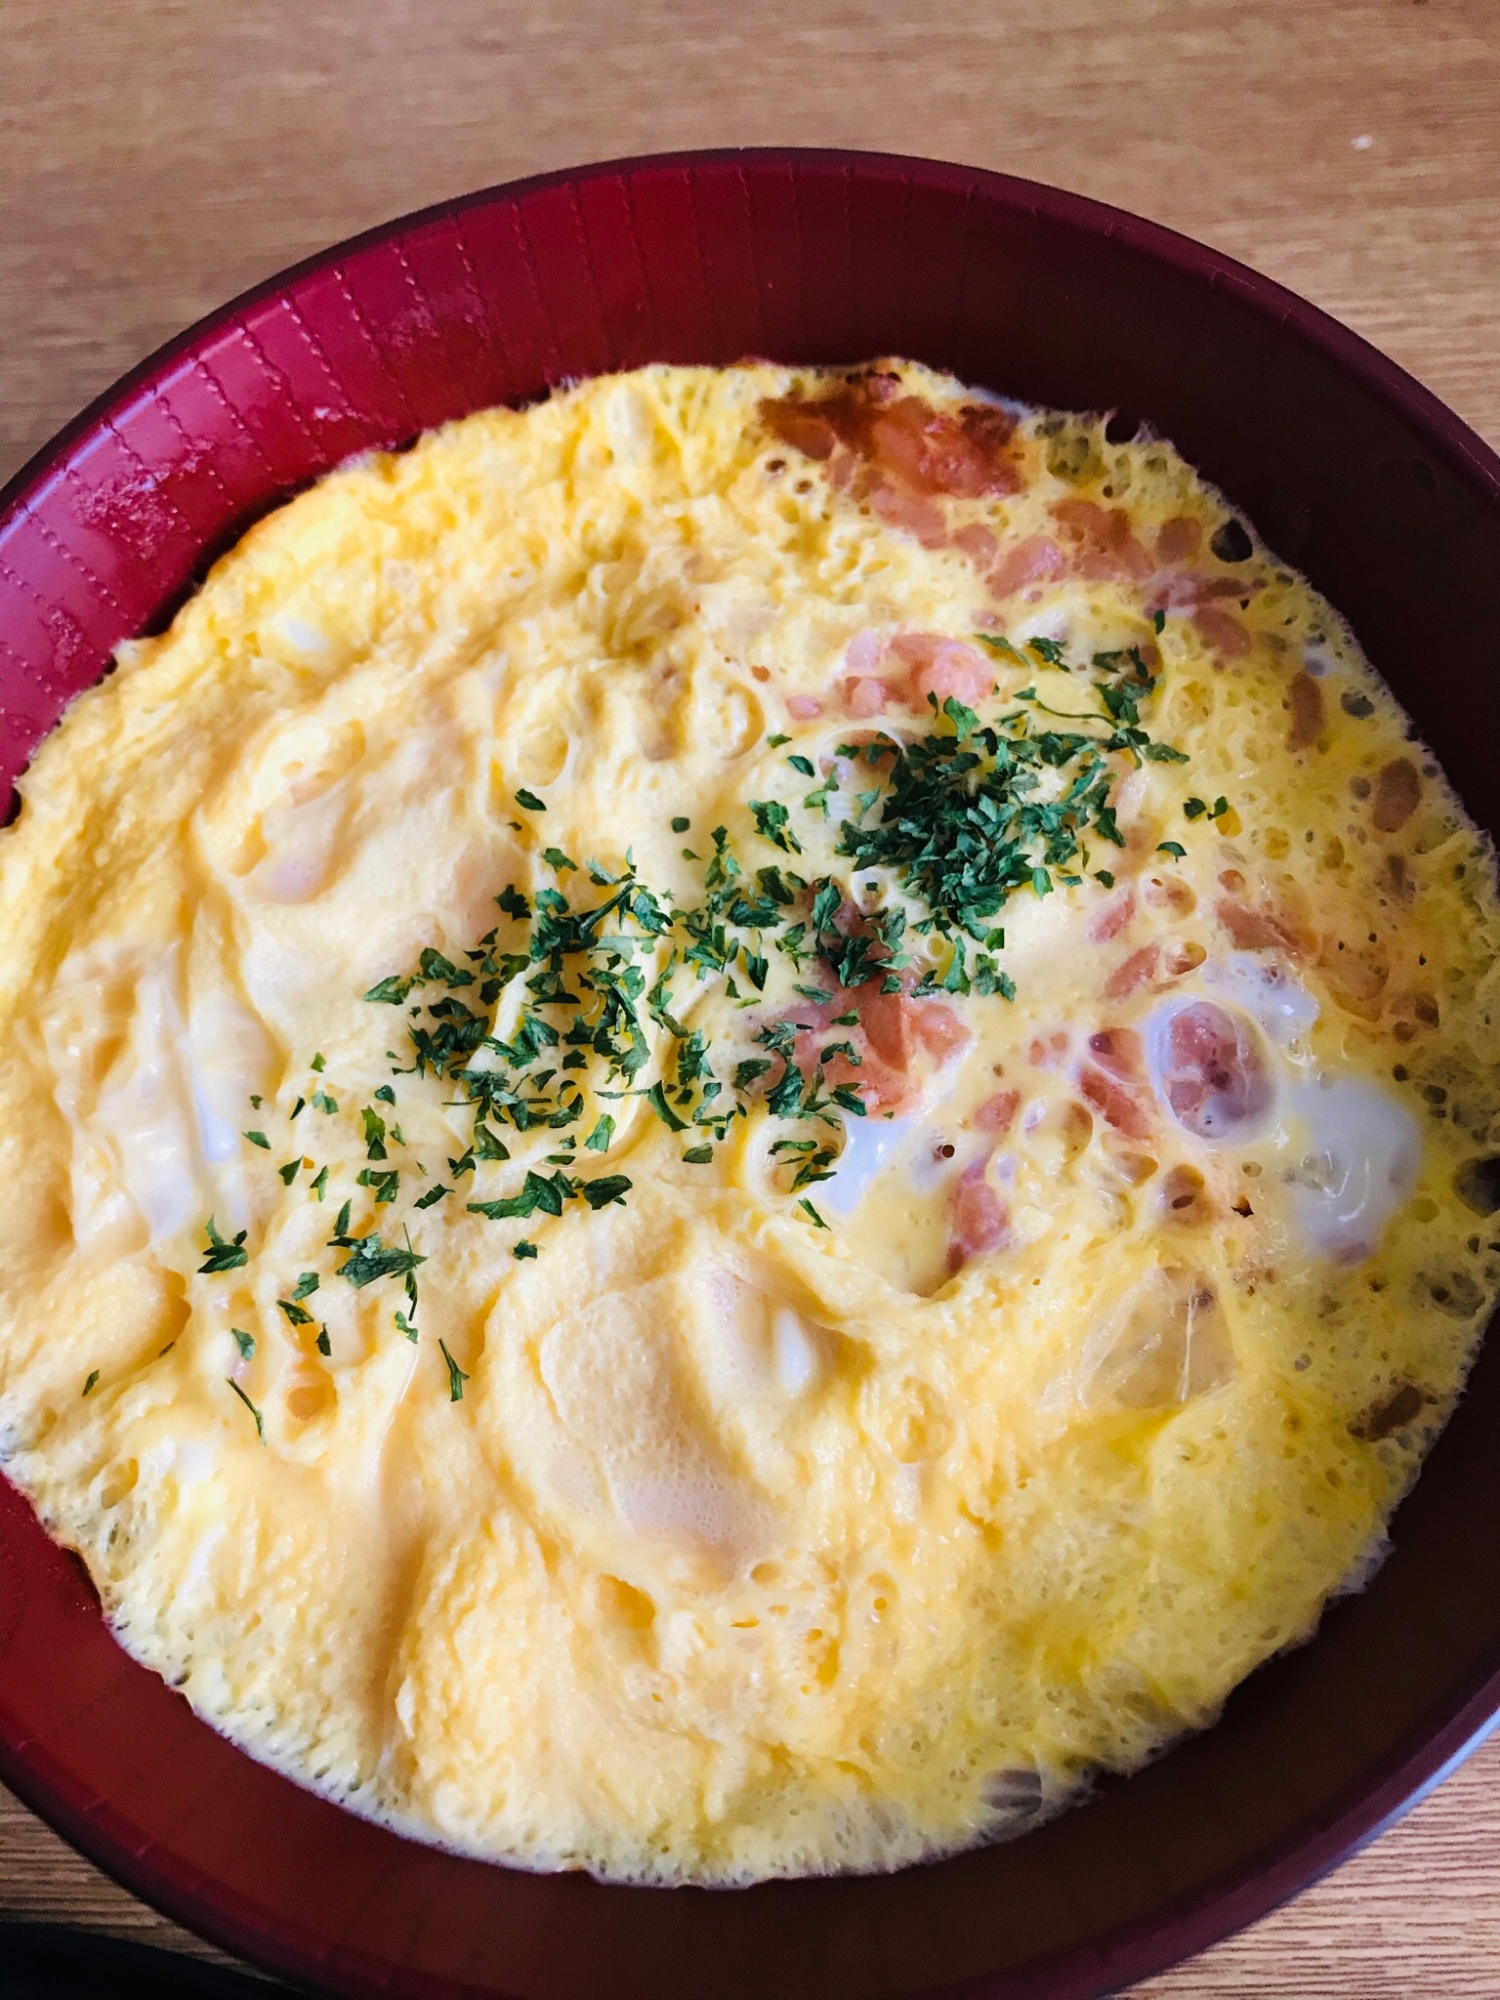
[157,157]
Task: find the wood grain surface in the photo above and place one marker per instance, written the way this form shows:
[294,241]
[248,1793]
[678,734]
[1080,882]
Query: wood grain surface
[156,158]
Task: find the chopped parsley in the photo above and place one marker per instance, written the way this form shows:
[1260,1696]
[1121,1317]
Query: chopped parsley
[92,1379]
[456,1376]
[222,1256]
[773,823]
[260,1429]
[523,1249]
[1197,809]
[259,1139]
[529,802]
[371,1259]
[244,1341]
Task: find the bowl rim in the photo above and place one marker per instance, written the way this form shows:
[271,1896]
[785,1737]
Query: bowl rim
[1175,1930]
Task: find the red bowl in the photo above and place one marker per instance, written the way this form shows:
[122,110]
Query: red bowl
[1349,469]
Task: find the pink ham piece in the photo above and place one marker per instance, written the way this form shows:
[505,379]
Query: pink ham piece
[1105,546]
[1138,970]
[1113,918]
[865,695]
[1209,1069]
[899,1039]
[1036,560]
[907,668]
[1222,633]
[1112,1079]
[1154,966]
[980,1220]
[920,517]
[941,666]
[998,1113]
[881,439]
[1178,539]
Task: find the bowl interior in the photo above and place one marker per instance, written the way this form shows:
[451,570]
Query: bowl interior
[1347,468]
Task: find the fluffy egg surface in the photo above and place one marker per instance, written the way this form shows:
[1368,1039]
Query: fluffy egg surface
[745,1120]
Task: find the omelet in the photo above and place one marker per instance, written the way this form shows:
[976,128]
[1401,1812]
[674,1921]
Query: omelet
[745,1120]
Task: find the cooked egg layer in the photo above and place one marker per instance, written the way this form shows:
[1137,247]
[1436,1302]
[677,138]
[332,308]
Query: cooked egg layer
[918,1240]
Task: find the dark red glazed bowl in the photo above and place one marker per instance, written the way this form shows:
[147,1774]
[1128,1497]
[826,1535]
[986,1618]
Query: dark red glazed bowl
[1348,468]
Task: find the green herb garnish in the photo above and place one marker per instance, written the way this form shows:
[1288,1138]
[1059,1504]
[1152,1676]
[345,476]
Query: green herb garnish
[260,1429]
[222,1256]
[456,1376]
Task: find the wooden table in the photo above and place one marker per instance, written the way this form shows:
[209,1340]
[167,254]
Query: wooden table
[156,158]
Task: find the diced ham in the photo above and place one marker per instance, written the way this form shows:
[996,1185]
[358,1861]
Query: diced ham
[899,1040]
[1218,630]
[864,653]
[1139,970]
[980,1222]
[1049,1051]
[918,515]
[1154,967]
[1210,1071]
[1260,930]
[1116,1103]
[1178,538]
[803,707]
[1036,560]
[1113,1081]
[1113,918]
[1305,699]
[998,1113]
[939,1029]
[1119,1051]
[926,663]
[978,543]
[937,451]
[865,695]
[887,1024]
[1106,546]
[898,441]
[804,426]
[1180,590]
[941,666]
[1397,792]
